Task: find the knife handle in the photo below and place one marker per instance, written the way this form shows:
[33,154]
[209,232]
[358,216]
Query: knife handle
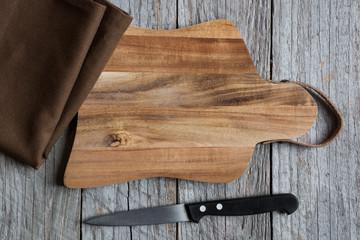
[244,206]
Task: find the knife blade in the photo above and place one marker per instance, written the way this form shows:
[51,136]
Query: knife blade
[195,211]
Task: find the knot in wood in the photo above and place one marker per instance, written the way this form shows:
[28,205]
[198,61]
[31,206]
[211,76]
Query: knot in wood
[116,140]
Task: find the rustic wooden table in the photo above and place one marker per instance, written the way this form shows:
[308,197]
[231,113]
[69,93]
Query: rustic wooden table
[316,42]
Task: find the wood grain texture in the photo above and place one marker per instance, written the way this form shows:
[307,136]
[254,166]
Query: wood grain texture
[34,204]
[141,193]
[253,21]
[187,126]
[137,124]
[211,47]
[311,39]
[317,42]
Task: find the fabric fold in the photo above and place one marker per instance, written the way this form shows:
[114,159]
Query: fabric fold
[51,54]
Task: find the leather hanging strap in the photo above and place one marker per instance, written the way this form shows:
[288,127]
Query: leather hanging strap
[334,110]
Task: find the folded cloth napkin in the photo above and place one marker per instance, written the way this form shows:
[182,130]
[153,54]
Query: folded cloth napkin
[51,54]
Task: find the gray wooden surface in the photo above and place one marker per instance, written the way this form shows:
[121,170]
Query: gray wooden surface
[316,42]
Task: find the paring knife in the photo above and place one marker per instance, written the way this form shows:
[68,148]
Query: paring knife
[195,211]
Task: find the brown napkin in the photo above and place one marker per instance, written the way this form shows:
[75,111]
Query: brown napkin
[51,54]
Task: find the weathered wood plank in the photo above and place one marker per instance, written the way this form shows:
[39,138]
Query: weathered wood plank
[154,191]
[253,21]
[34,204]
[318,42]
[143,193]
[62,205]
[103,200]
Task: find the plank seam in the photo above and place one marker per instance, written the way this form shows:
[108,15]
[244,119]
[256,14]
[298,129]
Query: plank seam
[81,212]
[271,145]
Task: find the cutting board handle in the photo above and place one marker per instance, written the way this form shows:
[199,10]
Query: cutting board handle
[333,109]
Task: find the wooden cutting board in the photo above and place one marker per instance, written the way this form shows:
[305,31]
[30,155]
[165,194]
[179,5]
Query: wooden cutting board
[186,103]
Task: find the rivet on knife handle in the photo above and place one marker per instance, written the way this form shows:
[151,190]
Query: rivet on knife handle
[243,206]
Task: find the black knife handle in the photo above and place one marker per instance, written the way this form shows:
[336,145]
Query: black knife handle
[244,206]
